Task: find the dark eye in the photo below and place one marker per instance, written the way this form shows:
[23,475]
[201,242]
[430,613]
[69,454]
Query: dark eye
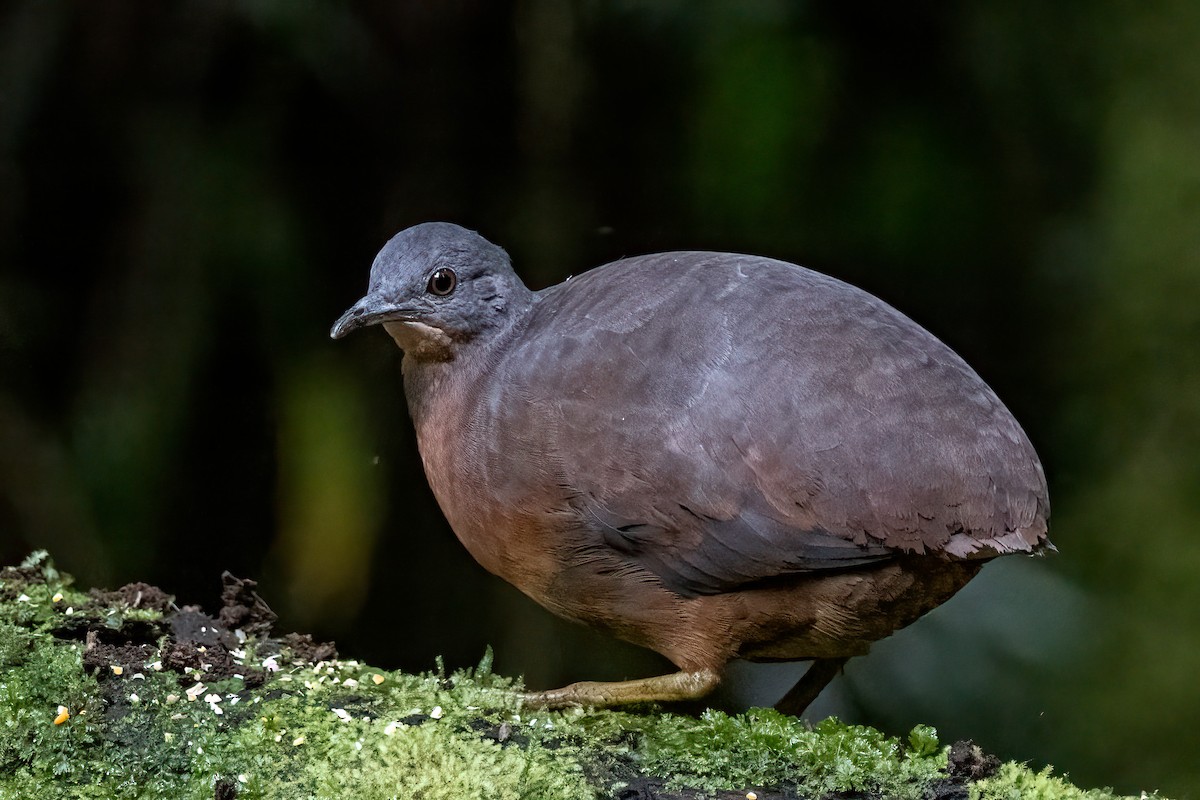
[442,282]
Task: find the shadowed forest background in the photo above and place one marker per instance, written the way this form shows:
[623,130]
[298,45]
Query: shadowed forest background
[191,192]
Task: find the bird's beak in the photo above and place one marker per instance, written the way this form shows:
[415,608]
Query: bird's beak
[371,310]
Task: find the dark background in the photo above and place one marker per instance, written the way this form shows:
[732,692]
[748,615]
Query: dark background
[191,192]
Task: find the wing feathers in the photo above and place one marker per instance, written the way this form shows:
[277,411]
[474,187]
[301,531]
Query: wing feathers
[695,555]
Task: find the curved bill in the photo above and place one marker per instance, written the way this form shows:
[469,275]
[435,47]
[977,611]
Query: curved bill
[370,310]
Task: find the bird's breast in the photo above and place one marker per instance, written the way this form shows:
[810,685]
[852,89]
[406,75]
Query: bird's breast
[504,519]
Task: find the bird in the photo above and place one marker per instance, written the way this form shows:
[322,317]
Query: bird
[715,456]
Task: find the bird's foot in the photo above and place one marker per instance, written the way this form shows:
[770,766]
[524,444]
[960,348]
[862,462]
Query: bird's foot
[660,689]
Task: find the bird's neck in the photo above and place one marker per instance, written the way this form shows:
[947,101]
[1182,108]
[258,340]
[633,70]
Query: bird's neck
[440,373]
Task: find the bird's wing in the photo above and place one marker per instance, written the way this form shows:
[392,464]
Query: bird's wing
[694,554]
[723,420]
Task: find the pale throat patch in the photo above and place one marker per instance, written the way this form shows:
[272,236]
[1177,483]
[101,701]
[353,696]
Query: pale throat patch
[422,342]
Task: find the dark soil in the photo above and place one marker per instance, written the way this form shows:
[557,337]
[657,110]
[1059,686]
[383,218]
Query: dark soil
[135,595]
[968,762]
[12,577]
[242,609]
[107,659]
[186,638]
[305,649]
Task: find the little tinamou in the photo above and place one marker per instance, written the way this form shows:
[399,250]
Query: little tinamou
[715,456]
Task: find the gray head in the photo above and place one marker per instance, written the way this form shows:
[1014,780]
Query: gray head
[435,286]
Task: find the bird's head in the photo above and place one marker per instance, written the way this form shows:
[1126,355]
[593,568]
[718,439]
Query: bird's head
[435,287]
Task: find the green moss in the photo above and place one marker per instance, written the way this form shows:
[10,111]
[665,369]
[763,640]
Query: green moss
[36,677]
[343,728]
[765,748]
[1018,782]
[426,761]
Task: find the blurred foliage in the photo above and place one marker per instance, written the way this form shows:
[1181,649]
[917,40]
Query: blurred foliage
[193,191]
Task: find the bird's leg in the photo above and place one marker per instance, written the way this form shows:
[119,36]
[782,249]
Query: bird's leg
[818,676]
[660,689]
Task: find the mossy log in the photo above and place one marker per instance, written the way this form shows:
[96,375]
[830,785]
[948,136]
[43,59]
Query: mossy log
[123,695]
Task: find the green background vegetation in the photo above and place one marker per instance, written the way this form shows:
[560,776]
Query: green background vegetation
[193,191]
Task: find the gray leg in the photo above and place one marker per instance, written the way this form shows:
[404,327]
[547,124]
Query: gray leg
[818,676]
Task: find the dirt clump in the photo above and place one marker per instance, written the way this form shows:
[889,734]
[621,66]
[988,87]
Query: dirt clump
[134,595]
[107,660]
[969,762]
[15,577]
[305,649]
[242,609]
[186,640]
